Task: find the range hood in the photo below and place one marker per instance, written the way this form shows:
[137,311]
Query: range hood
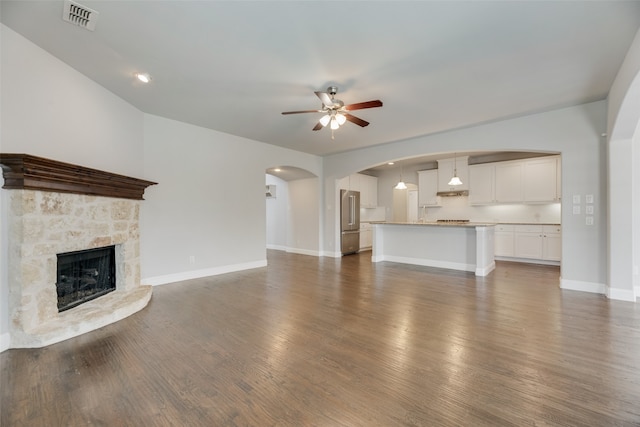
[452,193]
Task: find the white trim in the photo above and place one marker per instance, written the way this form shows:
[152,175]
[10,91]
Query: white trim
[277,247]
[331,254]
[303,252]
[578,285]
[483,271]
[527,260]
[197,274]
[637,291]
[5,342]
[426,262]
[621,294]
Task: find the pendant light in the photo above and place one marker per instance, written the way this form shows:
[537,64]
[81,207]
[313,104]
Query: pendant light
[455,180]
[400,185]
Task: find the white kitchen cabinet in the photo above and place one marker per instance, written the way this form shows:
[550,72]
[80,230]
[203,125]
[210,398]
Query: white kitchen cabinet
[528,241]
[446,170]
[540,180]
[551,242]
[427,188]
[365,184]
[366,236]
[508,182]
[543,242]
[504,239]
[482,184]
[368,191]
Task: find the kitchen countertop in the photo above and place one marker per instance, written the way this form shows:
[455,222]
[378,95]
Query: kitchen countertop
[440,224]
[458,224]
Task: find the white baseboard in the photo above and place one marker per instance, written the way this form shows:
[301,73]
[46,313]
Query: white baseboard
[197,274]
[578,285]
[303,252]
[621,294]
[331,254]
[5,342]
[277,247]
[426,262]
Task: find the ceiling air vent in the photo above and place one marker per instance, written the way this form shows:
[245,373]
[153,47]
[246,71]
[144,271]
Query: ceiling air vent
[79,15]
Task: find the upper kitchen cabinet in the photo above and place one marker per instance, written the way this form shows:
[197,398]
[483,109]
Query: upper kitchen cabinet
[368,191]
[428,188]
[482,184]
[517,181]
[365,184]
[508,182]
[447,168]
[540,181]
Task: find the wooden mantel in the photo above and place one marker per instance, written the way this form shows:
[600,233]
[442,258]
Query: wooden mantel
[23,171]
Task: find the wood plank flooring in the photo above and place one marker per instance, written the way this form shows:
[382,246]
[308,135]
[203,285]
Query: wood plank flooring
[343,342]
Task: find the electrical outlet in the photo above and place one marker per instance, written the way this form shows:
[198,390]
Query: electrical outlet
[576,210]
[588,198]
[576,199]
[588,210]
[589,220]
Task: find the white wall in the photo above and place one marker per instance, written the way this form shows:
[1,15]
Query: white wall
[277,214]
[575,132]
[624,204]
[50,110]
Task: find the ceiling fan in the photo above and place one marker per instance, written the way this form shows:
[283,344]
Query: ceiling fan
[335,112]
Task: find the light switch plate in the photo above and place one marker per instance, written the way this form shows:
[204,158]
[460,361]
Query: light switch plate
[589,220]
[576,199]
[588,210]
[588,198]
[576,210]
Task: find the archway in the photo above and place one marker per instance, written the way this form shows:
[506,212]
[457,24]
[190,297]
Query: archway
[292,210]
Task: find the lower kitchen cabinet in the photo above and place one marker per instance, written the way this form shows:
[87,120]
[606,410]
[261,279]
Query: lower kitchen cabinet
[528,242]
[366,236]
[504,240]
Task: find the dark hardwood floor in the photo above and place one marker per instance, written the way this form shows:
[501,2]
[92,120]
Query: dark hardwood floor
[343,342]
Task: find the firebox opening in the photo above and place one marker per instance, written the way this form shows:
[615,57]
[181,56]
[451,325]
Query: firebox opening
[85,275]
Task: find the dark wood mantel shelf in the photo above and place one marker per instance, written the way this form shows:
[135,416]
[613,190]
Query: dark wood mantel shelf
[23,171]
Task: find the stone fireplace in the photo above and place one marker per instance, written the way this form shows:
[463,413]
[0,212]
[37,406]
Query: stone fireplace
[56,208]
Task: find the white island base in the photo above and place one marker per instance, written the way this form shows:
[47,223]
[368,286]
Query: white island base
[466,247]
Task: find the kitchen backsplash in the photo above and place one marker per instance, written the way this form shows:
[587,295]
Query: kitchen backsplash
[458,208]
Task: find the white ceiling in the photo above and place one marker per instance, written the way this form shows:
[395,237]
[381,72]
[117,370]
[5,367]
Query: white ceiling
[234,66]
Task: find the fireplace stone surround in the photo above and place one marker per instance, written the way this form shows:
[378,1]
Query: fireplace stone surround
[55,207]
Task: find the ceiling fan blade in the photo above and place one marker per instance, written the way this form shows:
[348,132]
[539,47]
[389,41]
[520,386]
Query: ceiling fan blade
[318,126]
[302,111]
[325,98]
[363,105]
[356,120]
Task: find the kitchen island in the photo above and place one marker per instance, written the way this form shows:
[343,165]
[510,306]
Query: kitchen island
[459,246]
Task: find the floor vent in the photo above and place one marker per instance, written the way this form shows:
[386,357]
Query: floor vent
[79,15]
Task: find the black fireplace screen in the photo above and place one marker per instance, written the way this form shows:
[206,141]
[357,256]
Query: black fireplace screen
[85,275]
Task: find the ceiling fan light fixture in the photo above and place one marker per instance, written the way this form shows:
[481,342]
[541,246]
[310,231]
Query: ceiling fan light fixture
[325,120]
[341,118]
[334,123]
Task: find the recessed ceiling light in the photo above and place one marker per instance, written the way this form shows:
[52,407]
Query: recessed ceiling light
[143,77]
[391,163]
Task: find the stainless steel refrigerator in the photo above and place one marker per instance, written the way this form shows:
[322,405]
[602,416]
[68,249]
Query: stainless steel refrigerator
[350,221]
